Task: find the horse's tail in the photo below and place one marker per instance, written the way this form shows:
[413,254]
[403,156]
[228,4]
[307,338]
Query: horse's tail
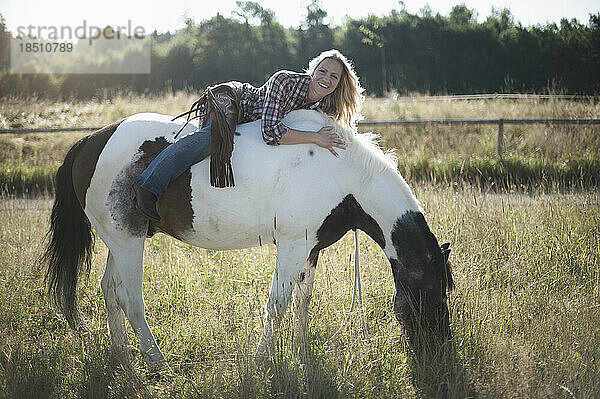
[70,242]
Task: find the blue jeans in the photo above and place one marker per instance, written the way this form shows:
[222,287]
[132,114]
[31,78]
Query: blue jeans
[174,160]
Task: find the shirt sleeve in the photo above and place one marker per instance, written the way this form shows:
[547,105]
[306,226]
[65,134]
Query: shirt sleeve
[272,113]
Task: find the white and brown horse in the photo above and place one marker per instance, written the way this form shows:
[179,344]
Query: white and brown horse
[299,197]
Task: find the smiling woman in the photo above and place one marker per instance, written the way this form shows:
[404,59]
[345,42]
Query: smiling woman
[329,84]
[325,79]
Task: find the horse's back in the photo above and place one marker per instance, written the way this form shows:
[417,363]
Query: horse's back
[275,186]
[278,192]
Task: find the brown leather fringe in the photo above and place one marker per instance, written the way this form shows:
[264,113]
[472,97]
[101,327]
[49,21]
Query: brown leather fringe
[221,104]
[223,121]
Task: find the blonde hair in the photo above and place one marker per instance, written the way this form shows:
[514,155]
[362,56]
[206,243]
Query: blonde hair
[345,102]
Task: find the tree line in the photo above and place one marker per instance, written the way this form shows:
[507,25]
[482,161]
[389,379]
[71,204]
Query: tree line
[399,52]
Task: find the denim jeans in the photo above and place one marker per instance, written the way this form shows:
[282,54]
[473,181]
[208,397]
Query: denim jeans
[174,160]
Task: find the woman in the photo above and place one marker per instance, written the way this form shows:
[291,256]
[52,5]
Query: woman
[329,84]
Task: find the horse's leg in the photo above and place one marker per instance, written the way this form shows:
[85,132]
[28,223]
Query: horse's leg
[302,295]
[128,270]
[290,258]
[115,315]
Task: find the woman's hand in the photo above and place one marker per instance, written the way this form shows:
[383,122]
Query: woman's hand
[325,138]
[328,139]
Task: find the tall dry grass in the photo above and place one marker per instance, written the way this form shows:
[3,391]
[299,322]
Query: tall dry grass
[534,154]
[16,112]
[525,313]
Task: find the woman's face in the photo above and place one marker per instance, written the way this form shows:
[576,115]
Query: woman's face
[325,79]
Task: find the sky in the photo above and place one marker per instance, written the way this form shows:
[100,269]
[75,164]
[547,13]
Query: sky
[170,15]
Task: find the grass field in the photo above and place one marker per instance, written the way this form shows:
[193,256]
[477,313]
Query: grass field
[525,312]
[525,234]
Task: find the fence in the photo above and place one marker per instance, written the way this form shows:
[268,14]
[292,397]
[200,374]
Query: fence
[448,122]
[496,96]
[500,122]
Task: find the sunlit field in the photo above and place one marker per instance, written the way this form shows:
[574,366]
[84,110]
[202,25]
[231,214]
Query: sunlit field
[525,239]
[525,312]
[564,156]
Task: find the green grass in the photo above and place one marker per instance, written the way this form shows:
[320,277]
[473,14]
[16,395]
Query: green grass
[514,173]
[525,312]
[27,179]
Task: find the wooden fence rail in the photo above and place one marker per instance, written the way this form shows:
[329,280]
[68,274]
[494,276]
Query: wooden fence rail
[448,122]
[500,122]
[497,96]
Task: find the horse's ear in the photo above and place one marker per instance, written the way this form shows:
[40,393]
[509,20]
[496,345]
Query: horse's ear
[445,251]
[445,247]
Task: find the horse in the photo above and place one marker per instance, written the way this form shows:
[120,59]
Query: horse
[300,198]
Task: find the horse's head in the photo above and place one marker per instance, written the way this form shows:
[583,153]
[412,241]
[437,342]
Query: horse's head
[420,266]
[422,277]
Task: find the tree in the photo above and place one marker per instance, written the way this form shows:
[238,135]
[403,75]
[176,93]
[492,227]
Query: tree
[374,37]
[462,16]
[314,36]
[270,49]
[252,10]
[5,37]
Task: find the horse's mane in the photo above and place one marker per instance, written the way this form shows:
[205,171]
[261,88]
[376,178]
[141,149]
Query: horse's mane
[362,148]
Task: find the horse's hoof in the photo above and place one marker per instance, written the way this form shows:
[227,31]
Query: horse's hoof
[156,371]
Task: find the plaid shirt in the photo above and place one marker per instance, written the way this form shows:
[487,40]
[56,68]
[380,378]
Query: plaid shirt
[284,92]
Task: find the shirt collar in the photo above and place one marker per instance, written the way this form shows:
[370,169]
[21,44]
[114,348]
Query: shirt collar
[313,105]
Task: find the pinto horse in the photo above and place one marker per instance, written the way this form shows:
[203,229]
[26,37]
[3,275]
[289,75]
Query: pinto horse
[299,197]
